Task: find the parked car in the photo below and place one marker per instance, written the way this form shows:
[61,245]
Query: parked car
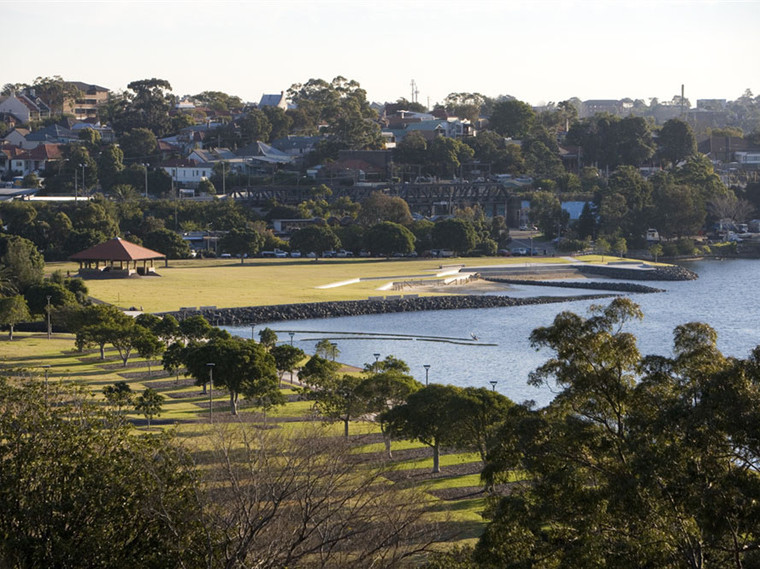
[519,251]
[364,253]
[328,254]
[295,254]
[344,253]
[505,253]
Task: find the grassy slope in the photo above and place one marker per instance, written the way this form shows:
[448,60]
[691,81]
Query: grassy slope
[186,411]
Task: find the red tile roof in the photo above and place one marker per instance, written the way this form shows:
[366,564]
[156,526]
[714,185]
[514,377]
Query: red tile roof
[116,250]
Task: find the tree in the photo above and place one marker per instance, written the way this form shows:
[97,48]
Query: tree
[13,309]
[195,328]
[23,262]
[110,165]
[242,242]
[242,366]
[146,104]
[55,91]
[338,398]
[676,141]
[283,501]
[388,386]
[118,395]
[656,251]
[629,465]
[318,370]
[150,404]
[72,473]
[126,336]
[167,242]
[547,213]
[268,338]
[480,411]
[139,144]
[327,349]
[149,347]
[379,207]
[286,358]
[445,157]
[387,238]
[455,234]
[511,118]
[314,238]
[427,416]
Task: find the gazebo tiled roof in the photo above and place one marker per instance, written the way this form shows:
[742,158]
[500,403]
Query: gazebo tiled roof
[117,250]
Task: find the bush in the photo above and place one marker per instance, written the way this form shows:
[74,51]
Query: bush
[685,246]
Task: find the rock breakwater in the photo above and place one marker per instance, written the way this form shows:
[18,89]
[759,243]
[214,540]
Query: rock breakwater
[282,312]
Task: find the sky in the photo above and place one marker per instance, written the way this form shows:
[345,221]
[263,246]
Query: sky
[537,51]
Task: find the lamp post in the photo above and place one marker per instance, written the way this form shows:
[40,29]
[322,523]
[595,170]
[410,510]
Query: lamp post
[76,189]
[146,178]
[291,334]
[427,370]
[334,350]
[84,187]
[377,358]
[493,383]
[211,390]
[46,368]
[252,336]
[49,327]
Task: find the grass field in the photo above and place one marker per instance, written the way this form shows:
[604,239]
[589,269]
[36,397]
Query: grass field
[228,283]
[455,494]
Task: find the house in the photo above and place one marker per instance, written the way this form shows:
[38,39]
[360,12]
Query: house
[212,155]
[296,147]
[106,133]
[279,101]
[17,137]
[24,107]
[35,160]
[87,104]
[612,106]
[188,172]
[53,134]
[264,153]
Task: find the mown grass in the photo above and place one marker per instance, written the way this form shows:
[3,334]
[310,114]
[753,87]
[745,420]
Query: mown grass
[228,283]
[185,412]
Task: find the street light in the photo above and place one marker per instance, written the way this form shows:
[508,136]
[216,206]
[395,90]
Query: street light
[493,383]
[211,390]
[427,369]
[84,187]
[291,334]
[49,327]
[377,357]
[145,166]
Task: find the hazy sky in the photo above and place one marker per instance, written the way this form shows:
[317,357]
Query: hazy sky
[537,51]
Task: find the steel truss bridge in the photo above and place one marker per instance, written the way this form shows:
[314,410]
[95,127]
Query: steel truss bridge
[428,198]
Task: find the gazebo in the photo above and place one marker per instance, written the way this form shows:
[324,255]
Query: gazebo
[116,259]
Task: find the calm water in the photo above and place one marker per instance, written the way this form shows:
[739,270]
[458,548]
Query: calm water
[726,296]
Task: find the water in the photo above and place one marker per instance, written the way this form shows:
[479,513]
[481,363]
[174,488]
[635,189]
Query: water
[726,296]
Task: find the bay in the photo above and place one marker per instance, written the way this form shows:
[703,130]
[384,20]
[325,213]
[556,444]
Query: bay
[726,296]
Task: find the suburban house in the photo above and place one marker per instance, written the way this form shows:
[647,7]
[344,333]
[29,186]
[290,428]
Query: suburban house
[34,160]
[53,134]
[296,147]
[24,108]
[279,101]
[188,172]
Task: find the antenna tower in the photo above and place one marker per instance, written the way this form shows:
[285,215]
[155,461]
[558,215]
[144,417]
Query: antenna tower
[415,91]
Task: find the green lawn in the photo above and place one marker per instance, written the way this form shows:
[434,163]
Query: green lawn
[228,283]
